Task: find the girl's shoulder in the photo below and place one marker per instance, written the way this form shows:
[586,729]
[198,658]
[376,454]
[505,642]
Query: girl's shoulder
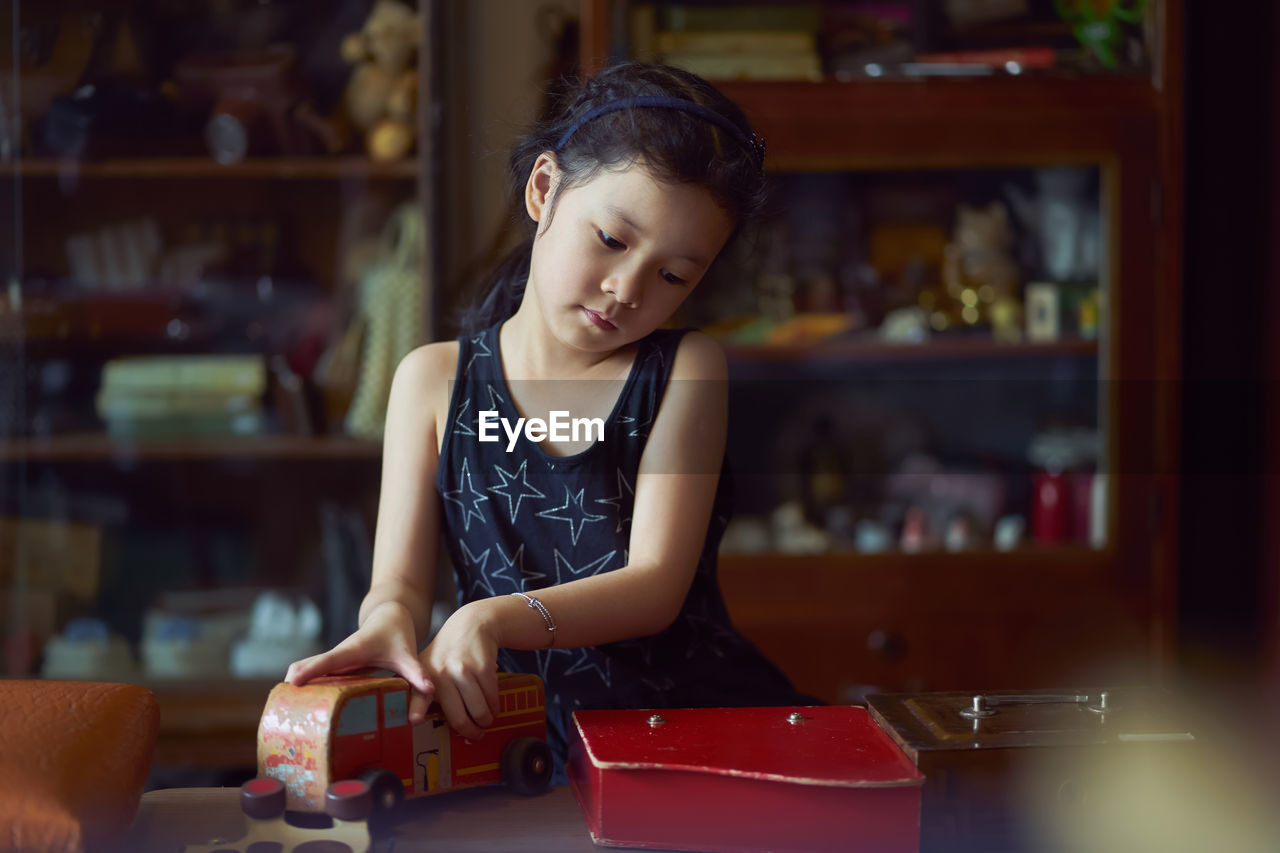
[431,363]
[422,385]
[699,356]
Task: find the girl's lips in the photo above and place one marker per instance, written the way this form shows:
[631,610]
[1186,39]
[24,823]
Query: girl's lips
[598,320]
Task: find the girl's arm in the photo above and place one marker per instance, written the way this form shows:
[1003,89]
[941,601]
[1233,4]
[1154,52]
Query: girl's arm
[396,612]
[674,494]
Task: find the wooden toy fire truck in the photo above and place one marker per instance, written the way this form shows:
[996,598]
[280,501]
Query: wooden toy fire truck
[356,727]
[343,745]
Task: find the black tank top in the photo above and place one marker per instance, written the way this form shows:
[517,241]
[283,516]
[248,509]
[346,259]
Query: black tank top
[522,520]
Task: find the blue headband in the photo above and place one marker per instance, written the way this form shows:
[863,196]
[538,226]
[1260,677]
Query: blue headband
[752,143]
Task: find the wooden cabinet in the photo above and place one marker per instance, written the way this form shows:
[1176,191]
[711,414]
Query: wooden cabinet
[137,225]
[1044,613]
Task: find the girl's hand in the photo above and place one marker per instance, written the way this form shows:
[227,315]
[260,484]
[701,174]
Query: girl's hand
[386,640]
[462,663]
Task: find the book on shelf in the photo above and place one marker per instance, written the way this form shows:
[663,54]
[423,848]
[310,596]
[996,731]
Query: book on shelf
[155,404]
[803,17]
[225,374]
[182,396]
[188,427]
[735,41]
[749,66]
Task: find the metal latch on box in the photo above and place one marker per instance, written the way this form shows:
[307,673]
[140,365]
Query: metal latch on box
[983,705]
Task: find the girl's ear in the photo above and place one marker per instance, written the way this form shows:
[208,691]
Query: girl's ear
[540,186]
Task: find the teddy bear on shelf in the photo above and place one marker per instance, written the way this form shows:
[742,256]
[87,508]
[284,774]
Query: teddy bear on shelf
[383,89]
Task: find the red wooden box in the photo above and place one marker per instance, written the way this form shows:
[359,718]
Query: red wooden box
[744,779]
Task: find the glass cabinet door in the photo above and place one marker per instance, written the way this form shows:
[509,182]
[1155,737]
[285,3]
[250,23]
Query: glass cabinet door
[212,260]
[953,407]
[916,363]
[15,604]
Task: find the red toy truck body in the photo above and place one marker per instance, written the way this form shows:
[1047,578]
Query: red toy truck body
[357,727]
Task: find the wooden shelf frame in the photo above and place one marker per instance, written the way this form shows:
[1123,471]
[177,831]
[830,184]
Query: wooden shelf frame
[845,623]
[940,349]
[100,447]
[259,168]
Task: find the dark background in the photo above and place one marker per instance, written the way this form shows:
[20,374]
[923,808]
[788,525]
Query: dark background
[1227,576]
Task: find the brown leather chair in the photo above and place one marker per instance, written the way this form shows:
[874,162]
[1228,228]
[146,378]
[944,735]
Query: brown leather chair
[74,757]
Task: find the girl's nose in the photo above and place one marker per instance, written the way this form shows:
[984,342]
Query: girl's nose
[625,287]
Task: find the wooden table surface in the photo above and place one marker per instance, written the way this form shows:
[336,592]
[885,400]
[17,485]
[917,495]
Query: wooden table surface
[477,819]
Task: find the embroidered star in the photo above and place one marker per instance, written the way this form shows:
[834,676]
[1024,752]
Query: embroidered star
[516,561]
[639,429]
[462,423]
[587,659]
[594,567]
[478,582]
[522,488]
[655,354]
[481,351]
[543,656]
[494,397]
[624,488]
[575,516]
[650,392]
[474,508]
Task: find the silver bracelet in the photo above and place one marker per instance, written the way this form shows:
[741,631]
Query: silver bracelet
[535,604]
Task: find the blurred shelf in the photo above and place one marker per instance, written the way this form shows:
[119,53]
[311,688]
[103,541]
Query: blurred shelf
[202,167]
[1032,559]
[209,722]
[95,447]
[958,348]
[905,94]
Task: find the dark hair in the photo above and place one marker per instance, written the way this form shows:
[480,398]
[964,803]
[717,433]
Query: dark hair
[675,145]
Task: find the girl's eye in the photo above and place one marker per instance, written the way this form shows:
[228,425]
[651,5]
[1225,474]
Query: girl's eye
[672,278]
[610,241]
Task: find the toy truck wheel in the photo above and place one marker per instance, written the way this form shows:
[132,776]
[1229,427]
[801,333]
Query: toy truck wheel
[262,798]
[385,788]
[526,765]
[349,799]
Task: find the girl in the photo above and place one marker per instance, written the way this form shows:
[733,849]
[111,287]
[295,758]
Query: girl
[587,555]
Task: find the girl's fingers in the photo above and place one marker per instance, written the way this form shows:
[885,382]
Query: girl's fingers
[349,656]
[411,670]
[455,711]
[419,704]
[476,702]
[489,684]
[336,660]
[302,671]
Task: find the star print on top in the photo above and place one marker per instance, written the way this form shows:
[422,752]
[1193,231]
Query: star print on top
[515,488]
[524,520]
[571,511]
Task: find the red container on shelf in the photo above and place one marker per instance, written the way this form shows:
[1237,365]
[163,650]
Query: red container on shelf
[1051,507]
[744,779]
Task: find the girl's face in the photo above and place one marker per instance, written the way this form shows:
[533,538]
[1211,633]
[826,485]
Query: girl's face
[619,254]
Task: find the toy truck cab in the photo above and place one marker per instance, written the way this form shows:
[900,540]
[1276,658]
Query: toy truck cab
[345,727]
